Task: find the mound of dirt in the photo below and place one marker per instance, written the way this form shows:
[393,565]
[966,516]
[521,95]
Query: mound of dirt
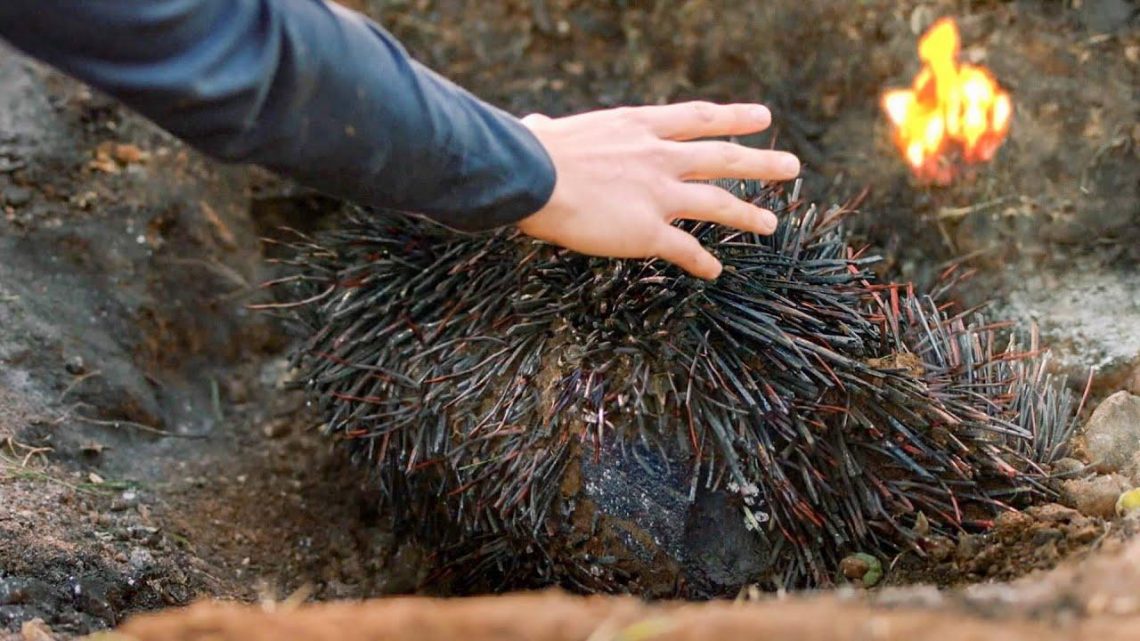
[1018,612]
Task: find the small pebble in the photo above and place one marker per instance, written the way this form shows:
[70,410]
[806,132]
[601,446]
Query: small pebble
[921,19]
[92,449]
[149,536]
[1094,496]
[969,546]
[36,630]
[1053,513]
[1009,525]
[940,548]
[128,154]
[17,196]
[75,365]
[125,501]
[1068,467]
[276,428]
[141,560]
[1112,434]
[237,391]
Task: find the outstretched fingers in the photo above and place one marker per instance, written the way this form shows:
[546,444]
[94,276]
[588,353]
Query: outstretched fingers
[715,205]
[690,120]
[683,250]
[709,160]
[623,176]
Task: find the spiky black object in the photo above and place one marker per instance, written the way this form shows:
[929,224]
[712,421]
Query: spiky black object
[537,416]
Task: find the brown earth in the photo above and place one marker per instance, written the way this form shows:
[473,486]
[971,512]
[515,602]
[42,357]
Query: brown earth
[554,618]
[1104,587]
[149,458]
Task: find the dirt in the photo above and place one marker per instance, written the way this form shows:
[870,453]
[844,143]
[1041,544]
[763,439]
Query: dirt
[149,456]
[1054,605]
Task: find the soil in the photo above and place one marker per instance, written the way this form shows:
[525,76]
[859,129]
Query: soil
[150,457]
[1092,599]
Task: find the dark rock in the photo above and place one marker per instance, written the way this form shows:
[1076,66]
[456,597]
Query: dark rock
[95,596]
[75,365]
[1104,16]
[12,616]
[15,196]
[635,518]
[22,591]
[721,551]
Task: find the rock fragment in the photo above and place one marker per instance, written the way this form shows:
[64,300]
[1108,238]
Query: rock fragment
[1112,435]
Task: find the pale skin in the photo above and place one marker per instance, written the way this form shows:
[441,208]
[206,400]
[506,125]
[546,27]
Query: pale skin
[624,175]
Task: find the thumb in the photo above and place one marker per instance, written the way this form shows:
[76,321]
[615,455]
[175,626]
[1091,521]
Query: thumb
[681,249]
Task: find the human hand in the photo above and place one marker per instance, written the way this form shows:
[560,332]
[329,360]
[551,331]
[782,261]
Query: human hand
[621,180]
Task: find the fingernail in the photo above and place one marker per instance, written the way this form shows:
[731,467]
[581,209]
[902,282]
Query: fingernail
[760,113]
[768,222]
[790,165]
[712,269]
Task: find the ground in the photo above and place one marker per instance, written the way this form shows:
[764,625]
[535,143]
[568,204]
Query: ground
[149,455]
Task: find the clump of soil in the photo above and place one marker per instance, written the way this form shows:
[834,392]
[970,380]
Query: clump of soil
[1019,542]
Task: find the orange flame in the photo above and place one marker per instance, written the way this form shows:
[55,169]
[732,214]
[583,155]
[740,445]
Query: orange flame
[950,105]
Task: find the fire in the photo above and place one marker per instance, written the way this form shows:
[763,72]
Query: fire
[951,107]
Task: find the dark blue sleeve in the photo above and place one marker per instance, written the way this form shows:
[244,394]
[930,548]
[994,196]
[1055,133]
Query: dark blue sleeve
[303,87]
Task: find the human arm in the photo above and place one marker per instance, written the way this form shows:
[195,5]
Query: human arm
[326,97]
[303,87]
